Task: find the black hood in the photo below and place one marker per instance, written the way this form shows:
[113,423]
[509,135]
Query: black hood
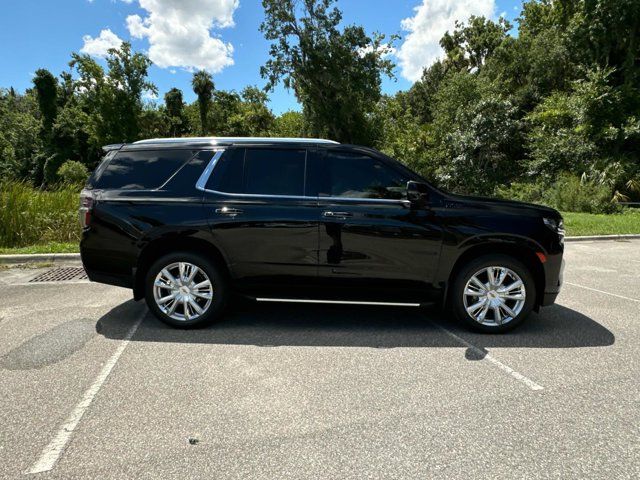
[501,204]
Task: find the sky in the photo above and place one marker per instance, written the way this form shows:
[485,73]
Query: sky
[221,36]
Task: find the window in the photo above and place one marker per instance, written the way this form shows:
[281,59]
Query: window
[271,171]
[228,174]
[142,170]
[91,183]
[359,176]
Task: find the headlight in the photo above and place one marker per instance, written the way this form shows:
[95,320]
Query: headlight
[555,224]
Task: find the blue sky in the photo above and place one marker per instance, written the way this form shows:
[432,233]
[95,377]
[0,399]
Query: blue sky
[220,35]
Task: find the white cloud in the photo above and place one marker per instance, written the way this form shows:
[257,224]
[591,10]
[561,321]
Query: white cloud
[149,95]
[99,46]
[385,49]
[431,20]
[179,32]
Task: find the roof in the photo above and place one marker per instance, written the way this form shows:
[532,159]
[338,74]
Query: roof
[212,141]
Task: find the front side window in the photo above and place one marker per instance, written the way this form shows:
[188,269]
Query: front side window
[354,175]
[142,170]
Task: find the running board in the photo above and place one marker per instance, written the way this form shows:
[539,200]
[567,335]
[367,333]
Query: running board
[340,302]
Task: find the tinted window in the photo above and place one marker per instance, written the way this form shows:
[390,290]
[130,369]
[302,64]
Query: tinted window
[142,170]
[229,172]
[274,171]
[91,182]
[359,176]
[185,179]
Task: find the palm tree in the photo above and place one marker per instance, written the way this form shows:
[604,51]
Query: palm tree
[202,84]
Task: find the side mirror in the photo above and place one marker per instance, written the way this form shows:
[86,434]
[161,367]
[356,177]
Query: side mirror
[417,193]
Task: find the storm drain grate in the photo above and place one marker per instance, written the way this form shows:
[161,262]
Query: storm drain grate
[61,274]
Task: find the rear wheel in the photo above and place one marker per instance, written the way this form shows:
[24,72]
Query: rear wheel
[185,289]
[493,293]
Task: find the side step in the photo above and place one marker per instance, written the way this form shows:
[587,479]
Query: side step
[341,302]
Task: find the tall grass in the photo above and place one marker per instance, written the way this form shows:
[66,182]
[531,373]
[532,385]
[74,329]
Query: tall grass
[30,216]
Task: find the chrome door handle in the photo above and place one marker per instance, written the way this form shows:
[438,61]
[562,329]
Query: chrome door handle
[337,214]
[229,211]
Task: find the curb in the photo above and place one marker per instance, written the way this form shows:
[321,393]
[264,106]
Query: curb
[39,257]
[587,238]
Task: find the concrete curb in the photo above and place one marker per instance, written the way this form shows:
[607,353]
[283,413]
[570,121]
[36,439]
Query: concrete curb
[588,238]
[39,258]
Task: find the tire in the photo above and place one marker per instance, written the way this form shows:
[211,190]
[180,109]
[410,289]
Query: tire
[467,294]
[210,300]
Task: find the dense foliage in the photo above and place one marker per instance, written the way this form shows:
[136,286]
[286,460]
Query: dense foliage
[550,114]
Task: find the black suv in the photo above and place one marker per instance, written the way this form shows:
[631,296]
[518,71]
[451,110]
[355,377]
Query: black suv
[189,223]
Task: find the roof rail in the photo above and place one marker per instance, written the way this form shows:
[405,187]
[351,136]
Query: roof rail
[232,140]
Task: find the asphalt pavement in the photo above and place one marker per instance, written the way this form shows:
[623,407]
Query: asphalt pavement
[92,386]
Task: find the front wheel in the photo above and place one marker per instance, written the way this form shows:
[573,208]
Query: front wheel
[185,290]
[493,293]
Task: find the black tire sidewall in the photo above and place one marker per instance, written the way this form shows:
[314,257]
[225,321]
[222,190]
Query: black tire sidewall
[472,267]
[219,281]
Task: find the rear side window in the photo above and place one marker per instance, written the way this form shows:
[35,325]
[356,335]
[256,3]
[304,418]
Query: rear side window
[142,170]
[274,172]
[260,171]
[229,172]
[92,181]
[353,175]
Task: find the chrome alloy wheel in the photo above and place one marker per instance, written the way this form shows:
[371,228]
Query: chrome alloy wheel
[182,291]
[494,296]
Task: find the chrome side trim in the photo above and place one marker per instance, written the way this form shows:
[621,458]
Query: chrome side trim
[204,177]
[341,302]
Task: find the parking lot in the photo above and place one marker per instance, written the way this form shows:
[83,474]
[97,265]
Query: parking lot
[92,386]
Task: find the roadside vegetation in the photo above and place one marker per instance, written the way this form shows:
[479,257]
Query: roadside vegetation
[544,111]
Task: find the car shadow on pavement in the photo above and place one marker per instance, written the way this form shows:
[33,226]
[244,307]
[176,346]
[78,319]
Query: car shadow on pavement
[290,324]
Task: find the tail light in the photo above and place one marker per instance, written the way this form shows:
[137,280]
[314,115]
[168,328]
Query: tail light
[86,206]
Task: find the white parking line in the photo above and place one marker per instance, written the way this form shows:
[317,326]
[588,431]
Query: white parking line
[602,291]
[52,452]
[486,356]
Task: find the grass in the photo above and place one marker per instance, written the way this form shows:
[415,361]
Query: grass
[51,247]
[580,224]
[29,216]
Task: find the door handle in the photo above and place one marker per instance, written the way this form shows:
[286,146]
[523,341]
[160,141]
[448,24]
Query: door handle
[337,214]
[229,211]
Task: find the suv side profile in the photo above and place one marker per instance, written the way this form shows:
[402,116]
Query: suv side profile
[187,223]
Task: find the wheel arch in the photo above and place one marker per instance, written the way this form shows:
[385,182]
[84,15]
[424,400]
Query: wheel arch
[158,247]
[523,250]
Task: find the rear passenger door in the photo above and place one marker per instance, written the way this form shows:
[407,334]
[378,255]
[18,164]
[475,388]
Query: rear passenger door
[260,215]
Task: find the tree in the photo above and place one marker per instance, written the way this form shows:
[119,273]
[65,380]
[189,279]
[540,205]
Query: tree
[114,99]
[290,124]
[335,74]
[203,87]
[421,95]
[253,117]
[46,87]
[469,46]
[174,105]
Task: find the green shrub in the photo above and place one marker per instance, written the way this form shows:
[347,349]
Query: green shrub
[523,191]
[72,172]
[571,194]
[568,193]
[29,216]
